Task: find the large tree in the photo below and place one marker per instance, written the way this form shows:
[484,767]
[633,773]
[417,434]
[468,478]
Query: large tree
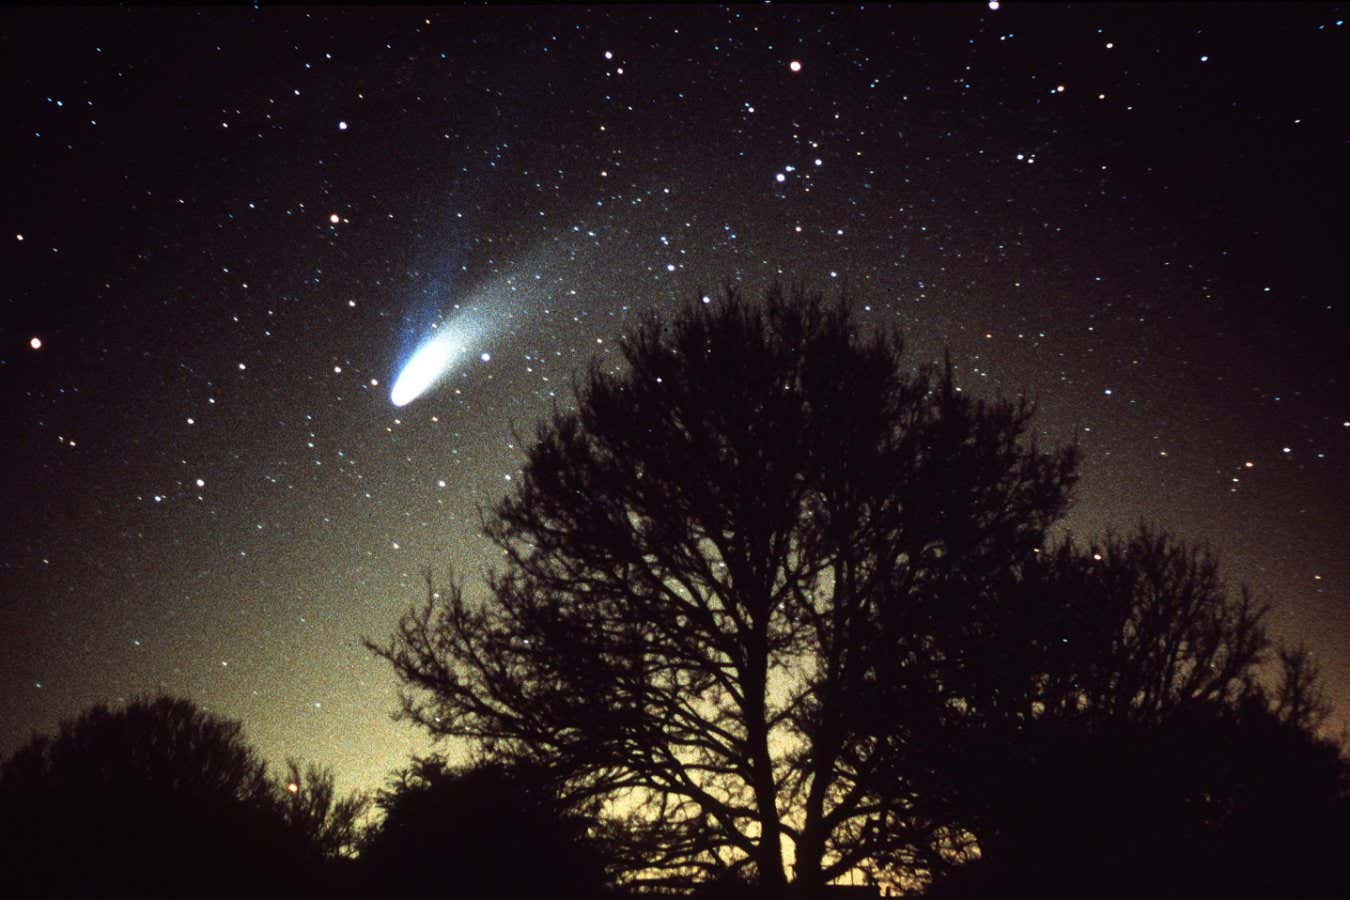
[707,564]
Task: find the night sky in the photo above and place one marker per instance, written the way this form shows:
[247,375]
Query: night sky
[225,232]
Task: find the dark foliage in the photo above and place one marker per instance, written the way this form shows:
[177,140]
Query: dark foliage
[1130,748]
[157,799]
[484,832]
[1061,646]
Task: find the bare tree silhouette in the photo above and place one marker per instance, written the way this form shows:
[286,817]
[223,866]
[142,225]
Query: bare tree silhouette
[705,562]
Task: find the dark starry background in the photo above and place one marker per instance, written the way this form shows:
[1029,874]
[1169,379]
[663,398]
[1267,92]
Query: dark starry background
[228,229]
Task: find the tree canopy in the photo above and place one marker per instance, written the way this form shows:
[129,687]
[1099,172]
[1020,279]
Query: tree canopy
[1117,737]
[784,607]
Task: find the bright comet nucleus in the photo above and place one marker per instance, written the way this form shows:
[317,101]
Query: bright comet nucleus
[424,369]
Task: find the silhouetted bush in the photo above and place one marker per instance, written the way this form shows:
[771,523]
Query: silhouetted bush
[478,833]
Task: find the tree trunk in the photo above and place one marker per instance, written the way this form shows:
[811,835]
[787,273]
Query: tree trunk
[772,880]
[807,884]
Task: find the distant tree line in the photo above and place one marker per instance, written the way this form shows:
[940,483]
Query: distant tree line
[776,611]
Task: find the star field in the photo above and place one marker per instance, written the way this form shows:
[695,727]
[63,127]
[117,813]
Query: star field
[227,231]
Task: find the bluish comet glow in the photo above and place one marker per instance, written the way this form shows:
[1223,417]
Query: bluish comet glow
[461,334]
[431,361]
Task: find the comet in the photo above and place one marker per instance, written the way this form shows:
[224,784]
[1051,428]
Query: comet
[425,368]
[447,345]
